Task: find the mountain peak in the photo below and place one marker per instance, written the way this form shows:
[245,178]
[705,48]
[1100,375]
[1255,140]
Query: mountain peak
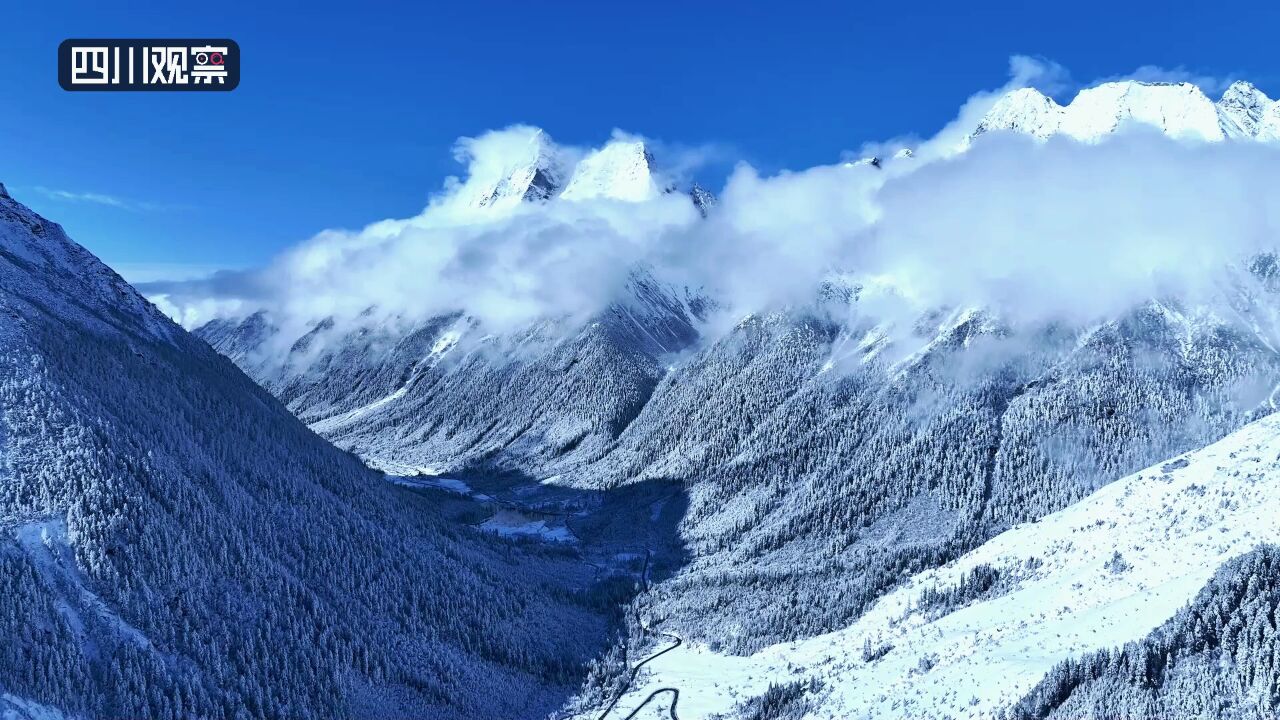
[1025,110]
[1178,109]
[1243,110]
[621,170]
[703,199]
[534,174]
[1244,91]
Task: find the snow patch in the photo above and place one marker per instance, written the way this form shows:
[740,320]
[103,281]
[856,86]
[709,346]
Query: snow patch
[508,522]
[1180,110]
[13,707]
[449,484]
[45,542]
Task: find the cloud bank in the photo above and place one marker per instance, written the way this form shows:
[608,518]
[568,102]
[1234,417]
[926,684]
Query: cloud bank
[1038,231]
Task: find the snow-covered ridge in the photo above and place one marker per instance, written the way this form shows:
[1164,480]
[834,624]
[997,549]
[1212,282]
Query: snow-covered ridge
[539,170]
[1095,575]
[1180,110]
[46,256]
[621,170]
[536,174]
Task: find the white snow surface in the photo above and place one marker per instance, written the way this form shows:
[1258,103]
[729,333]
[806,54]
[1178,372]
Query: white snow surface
[509,522]
[53,258]
[13,707]
[446,342]
[1174,524]
[47,543]
[621,170]
[1180,110]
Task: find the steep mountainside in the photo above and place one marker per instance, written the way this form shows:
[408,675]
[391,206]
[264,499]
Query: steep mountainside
[822,460]
[970,638]
[1219,657]
[175,544]
[442,394]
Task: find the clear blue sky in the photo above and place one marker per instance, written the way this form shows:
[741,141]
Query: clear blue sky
[347,110]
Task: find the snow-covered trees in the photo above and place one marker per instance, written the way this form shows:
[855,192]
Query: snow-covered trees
[175,544]
[1218,657]
[825,457]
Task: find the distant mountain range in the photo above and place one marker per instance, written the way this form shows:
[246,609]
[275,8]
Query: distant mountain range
[1178,109]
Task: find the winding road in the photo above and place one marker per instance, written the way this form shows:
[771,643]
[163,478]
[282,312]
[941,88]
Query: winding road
[675,698]
[676,641]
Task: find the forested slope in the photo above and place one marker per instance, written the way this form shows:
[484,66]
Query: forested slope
[175,544]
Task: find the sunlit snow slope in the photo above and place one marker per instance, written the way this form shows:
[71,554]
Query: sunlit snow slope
[1100,573]
[1177,109]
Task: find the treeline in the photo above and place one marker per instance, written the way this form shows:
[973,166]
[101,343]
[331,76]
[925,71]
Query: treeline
[1219,657]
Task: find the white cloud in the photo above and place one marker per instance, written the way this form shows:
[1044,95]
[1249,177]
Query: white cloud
[1212,85]
[1056,230]
[83,197]
[94,198]
[1076,231]
[1024,71]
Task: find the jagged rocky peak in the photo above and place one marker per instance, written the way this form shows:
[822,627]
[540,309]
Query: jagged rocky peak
[535,174]
[703,199]
[876,162]
[1243,110]
[621,170]
[1244,95]
[1024,110]
[1180,110]
[538,170]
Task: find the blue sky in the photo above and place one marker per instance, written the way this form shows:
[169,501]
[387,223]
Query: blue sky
[346,112]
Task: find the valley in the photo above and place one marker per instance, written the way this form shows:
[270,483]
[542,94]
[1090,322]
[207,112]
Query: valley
[888,437]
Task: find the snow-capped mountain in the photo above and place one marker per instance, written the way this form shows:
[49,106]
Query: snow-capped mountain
[1244,111]
[535,175]
[541,171]
[621,170]
[1180,110]
[175,544]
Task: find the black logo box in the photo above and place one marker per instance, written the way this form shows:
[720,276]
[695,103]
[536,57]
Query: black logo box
[134,48]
